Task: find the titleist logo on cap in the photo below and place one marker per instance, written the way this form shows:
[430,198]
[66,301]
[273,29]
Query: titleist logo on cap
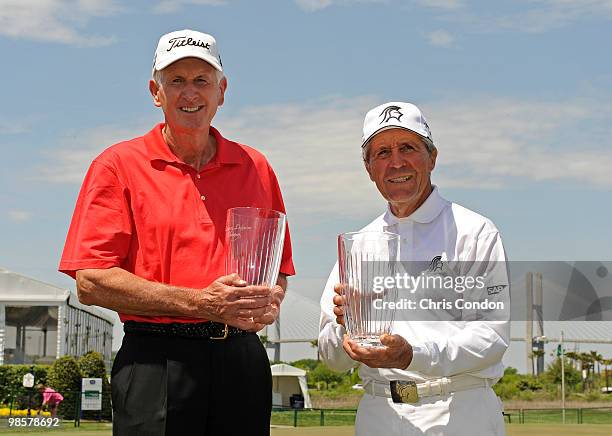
[186,43]
[181,41]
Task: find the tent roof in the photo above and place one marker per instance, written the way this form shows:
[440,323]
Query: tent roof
[281,369]
[19,289]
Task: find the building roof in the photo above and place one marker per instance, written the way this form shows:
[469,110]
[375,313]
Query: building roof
[288,370]
[22,290]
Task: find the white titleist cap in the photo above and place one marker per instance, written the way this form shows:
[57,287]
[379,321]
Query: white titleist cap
[395,114]
[186,44]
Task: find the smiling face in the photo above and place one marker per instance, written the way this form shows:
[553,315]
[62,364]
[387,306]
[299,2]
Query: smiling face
[189,93]
[398,162]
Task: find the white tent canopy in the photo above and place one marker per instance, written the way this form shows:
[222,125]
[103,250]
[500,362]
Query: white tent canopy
[40,322]
[288,380]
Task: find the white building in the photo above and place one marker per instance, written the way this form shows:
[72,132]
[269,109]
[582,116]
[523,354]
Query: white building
[40,322]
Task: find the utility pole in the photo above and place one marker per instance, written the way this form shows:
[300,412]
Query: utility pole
[562,379]
[539,322]
[529,322]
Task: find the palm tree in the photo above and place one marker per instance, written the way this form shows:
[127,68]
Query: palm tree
[586,362]
[596,358]
[607,362]
[573,357]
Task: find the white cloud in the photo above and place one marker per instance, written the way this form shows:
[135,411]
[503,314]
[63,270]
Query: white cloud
[19,216]
[315,5]
[80,148]
[483,144]
[315,148]
[171,6]
[442,4]
[58,21]
[496,143]
[535,16]
[440,38]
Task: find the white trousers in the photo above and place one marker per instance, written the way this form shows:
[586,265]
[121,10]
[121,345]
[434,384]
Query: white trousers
[474,412]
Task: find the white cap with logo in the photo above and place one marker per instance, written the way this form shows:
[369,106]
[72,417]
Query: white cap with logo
[184,44]
[395,114]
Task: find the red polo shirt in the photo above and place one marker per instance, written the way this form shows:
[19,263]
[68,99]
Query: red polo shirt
[141,209]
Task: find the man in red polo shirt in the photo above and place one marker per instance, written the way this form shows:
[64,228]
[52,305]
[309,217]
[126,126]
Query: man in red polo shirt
[147,239]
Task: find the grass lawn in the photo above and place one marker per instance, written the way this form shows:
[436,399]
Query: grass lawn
[512,430]
[309,418]
[94,429]
[558,430]
[66,428]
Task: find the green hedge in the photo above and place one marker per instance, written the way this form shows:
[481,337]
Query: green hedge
[11,382]
[64,375]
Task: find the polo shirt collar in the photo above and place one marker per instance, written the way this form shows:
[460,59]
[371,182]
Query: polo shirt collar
[426,213]
[228,152]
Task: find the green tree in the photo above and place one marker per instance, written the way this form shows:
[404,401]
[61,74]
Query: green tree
[573,357]
[586,364]
[323,374]
[607,363]
[596,358]
[553,374]
[306,364]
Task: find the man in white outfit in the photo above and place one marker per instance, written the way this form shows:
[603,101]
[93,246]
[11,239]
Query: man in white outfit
[433,376]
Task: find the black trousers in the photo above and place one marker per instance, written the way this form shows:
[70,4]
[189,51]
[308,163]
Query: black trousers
[177,386]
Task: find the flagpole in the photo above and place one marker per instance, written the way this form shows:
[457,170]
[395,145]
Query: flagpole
[562,378]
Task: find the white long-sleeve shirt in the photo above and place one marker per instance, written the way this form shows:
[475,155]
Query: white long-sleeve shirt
[442,347]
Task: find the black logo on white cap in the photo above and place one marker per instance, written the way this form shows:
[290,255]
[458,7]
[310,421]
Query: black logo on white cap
[181,41]
[391,112]
[436,264]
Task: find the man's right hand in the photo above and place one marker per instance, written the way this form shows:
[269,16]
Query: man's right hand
[339,304]
[230,301]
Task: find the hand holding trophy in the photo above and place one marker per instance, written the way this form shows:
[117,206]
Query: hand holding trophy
[254,238]
[363,257]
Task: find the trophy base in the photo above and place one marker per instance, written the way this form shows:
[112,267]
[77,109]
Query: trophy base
[368,341]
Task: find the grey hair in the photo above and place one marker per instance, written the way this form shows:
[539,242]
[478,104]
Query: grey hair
[429,145]
[158,75]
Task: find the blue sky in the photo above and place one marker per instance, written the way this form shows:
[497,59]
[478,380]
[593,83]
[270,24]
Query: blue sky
[517,94]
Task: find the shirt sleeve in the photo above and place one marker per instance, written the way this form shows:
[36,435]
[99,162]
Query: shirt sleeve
[331,333]
[286,266]
[101,227]
[485,338]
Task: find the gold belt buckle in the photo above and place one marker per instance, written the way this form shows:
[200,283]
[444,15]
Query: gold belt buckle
[225,333]
[403,391]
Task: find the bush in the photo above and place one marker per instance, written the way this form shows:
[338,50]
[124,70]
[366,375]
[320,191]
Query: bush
[572,375]
[514,385]
[65,377]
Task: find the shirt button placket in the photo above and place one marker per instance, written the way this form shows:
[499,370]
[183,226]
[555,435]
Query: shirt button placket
[202,196]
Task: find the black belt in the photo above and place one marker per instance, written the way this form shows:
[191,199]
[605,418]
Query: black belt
[200,330]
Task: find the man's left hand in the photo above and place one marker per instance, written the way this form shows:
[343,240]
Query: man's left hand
[277,294]
[396,353]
